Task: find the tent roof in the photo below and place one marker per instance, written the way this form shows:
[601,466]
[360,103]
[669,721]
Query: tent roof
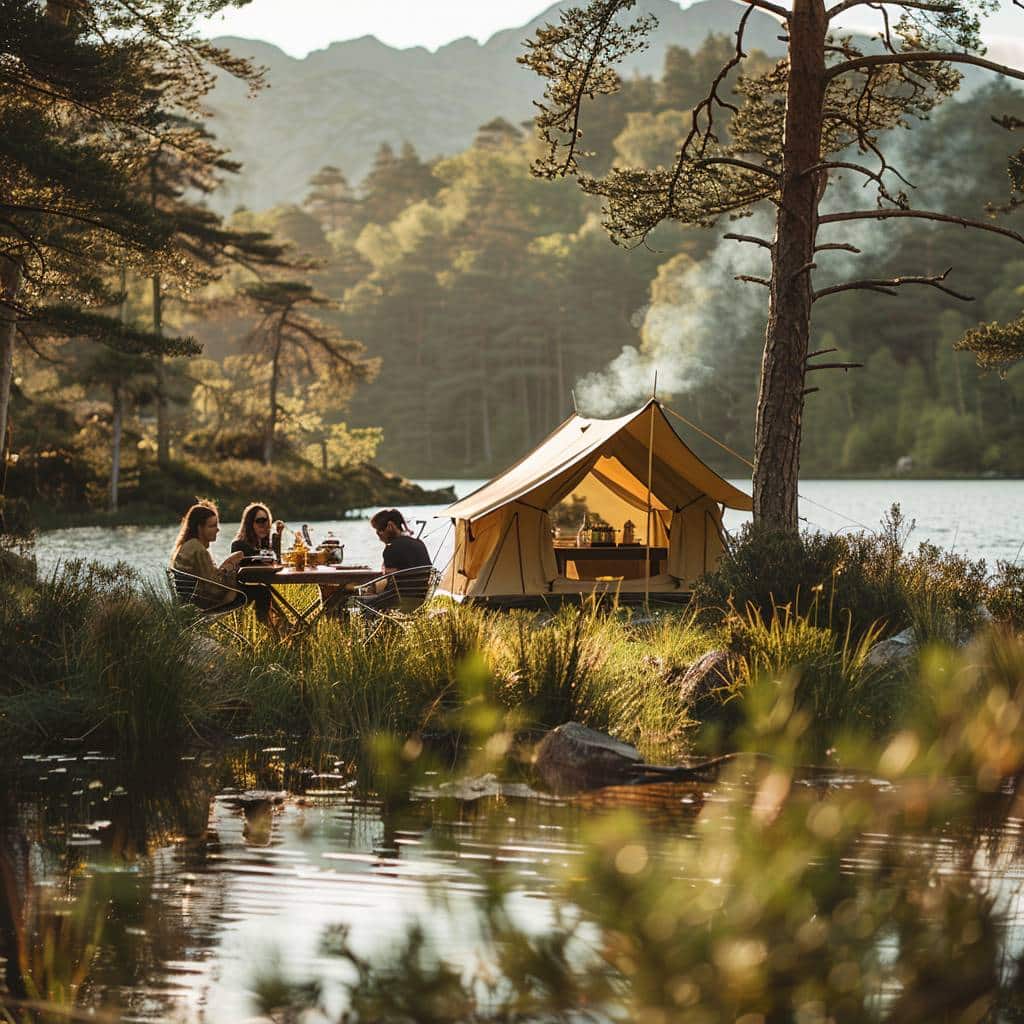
[566,456]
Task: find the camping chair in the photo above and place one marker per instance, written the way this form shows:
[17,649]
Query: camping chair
[404,591]
[184,587]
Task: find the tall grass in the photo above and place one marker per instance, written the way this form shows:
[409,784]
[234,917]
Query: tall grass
[92,653]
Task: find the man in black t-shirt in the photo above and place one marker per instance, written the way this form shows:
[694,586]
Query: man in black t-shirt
[401,551]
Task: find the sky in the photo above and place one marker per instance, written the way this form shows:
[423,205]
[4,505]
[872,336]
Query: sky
[299,26]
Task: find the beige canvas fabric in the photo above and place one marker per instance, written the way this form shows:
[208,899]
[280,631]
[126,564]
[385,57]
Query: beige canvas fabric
[503,542]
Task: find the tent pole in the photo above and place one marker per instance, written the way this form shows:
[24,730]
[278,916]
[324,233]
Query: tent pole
[650,520]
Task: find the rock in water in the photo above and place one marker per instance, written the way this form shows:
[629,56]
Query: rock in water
[703,678]
[254,799]
[574,757]
[894,652]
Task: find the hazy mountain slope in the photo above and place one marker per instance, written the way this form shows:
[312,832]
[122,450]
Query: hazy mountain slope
[338,104]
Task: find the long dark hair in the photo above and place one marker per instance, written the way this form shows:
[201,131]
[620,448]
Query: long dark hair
[245,529]
[192,520]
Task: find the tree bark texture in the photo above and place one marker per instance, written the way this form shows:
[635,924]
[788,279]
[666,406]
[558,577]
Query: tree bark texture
[163,427]
[116,430]
[11,273]
[275,377]
[780,399]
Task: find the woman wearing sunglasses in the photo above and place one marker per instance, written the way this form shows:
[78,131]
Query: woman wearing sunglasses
[255,535]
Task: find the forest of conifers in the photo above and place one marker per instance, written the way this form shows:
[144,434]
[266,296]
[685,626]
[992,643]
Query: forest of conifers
[483,298]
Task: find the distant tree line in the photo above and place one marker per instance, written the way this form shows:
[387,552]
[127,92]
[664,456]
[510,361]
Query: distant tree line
[439,314]
[487,295]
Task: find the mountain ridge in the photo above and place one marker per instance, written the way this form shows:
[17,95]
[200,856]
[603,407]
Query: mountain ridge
[338,104]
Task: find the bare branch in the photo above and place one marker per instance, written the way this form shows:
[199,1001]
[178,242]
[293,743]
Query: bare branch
[775,9]
[833,218]
[920,5]
[844,246]
[921,57]
[806,268]
[734,162]
[753,239]
[707,106]
[887,285]
[753,280]
[834,366]
[821,352]
[809,391]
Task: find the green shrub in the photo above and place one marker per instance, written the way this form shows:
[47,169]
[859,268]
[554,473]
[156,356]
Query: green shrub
[850,580]
[1005,599]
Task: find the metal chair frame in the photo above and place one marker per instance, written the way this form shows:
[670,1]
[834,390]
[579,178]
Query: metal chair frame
[413,586]
[183,586]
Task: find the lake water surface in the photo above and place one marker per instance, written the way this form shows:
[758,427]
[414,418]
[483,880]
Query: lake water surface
[977,518]
[177,899]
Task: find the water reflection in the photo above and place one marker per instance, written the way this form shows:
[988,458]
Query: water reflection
[164,894]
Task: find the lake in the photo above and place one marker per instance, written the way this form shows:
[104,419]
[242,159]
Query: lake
[173,900]
[177,899]
[977,518]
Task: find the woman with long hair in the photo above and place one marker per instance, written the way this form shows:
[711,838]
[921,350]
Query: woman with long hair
[191,554]
[254,532]
[255,535]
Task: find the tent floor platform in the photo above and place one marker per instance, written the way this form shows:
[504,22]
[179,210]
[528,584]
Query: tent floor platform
[555,601]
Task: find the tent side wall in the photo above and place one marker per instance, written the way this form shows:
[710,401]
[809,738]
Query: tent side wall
[696,540]
[509,552]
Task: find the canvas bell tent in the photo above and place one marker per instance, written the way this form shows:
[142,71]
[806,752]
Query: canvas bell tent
[635,468]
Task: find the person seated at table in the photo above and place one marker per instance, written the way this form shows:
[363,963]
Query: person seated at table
[191,554]
[401,551]
[255,535]
[254,532]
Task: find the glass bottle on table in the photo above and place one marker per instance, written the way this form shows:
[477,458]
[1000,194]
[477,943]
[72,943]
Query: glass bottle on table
[581,533]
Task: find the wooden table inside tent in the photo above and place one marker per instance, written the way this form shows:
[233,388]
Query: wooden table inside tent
[626,560]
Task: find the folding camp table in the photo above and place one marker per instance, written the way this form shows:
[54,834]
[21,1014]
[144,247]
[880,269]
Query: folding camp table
[278,580]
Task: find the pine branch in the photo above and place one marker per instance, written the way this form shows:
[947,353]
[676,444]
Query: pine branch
[834,218]
[888,285]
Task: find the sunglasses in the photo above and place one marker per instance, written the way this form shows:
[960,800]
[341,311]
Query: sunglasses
[261,519]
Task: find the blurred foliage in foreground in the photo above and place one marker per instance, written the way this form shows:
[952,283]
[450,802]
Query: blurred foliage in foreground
[876,896]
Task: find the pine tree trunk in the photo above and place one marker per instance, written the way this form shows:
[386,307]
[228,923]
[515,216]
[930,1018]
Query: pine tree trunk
[780,400]
[116,430]
[11,273]
[163,427]
[275,380]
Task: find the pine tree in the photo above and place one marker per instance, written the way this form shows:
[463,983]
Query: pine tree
[69,208]
[330,197]
[820,112]
[294,345]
